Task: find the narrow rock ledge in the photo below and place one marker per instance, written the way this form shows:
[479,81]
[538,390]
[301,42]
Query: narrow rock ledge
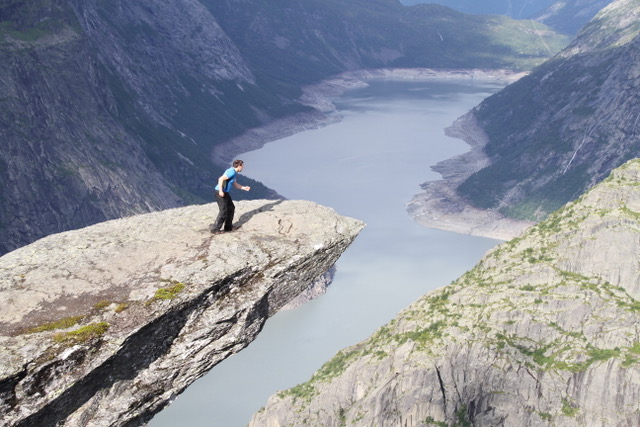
[104,325]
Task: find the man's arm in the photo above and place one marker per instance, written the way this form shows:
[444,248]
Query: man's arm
[241,187]
[221,183]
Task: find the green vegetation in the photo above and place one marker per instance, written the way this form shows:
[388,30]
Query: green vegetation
[83,334]
[30,21]
[569,409]
[545,416]
[64,323]
[170,292]
[633,355]
[430,421]
[551,356]
[461,417]
[342,417]
[102,304]
[422,336]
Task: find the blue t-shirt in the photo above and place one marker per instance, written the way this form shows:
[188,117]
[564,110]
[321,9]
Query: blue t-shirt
[228,184]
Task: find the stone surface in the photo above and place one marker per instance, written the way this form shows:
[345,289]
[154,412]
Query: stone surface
[160,299]
[542,332]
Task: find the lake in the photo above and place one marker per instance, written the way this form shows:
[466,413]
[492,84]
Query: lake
[367,166]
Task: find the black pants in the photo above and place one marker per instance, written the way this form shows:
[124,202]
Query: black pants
[225,214]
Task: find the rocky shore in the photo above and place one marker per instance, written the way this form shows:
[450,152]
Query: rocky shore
[438,205]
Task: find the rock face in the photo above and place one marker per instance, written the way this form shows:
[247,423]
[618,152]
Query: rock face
[90,117]
[103,325]
[543,331]
[556,132]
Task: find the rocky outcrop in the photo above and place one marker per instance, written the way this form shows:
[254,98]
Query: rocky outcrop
[103,326]
[543,331]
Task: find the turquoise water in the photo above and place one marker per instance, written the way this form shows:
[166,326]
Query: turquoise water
[367,166]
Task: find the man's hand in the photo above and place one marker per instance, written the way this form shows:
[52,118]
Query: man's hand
[246,188]
[221,193]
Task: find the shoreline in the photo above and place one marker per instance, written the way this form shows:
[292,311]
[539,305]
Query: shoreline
[319,96]
[437,205]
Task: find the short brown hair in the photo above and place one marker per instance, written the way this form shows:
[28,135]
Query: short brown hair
[237,163]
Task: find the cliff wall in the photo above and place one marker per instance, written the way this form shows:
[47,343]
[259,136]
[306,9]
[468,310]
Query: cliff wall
[103,326]
[543,331]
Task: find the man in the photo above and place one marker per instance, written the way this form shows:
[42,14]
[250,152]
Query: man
[226,207]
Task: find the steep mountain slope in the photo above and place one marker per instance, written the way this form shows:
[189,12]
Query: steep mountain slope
[302,42]
[519,9]
[566,16]
[565,126]
[570,16]
[100,115]
[543,331]
[113,108]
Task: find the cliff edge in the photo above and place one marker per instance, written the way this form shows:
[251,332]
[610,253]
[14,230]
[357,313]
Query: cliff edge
[542,332]
[103,326]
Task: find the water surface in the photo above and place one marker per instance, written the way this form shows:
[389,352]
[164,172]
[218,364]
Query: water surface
[367,166]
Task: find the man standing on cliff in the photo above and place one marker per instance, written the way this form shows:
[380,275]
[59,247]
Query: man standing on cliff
[226,207]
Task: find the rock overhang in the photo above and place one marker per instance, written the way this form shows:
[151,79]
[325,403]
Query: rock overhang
[115,280]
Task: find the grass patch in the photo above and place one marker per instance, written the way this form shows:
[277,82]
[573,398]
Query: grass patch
[121,307]
[169,292]
[545,416]
[102,304]
[430,421]
[65,323]
[568,408]
[83,334]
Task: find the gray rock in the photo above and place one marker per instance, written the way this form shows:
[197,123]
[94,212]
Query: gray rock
[542,332]
[152,302]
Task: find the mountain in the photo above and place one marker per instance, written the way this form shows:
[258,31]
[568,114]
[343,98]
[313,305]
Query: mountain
[302,42]
[113,108]
[103,326]
[542,331]
[569,16]
[519,9]
[108,110]
[565,126]
[565,16]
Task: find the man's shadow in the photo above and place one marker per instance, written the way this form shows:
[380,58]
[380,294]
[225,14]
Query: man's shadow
[245,217]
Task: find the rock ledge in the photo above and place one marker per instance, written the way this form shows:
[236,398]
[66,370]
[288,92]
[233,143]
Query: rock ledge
[104,325]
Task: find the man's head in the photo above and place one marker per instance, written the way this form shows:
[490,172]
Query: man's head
[238,165]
